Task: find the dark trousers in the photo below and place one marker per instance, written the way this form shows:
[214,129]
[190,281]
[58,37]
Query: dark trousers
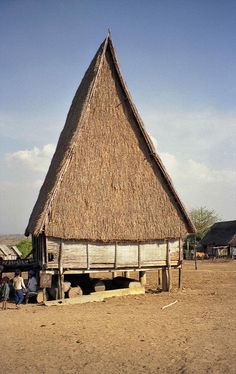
[19,296]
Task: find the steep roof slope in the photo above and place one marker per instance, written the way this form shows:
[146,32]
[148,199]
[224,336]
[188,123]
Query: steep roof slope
[105,181]
[221,233]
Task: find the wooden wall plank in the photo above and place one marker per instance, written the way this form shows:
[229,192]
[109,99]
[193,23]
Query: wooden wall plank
[75,254]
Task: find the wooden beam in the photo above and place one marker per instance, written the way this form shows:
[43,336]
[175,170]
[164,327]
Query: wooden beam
[181,262]
[169,283]
[164,280]
[115,262]
[60,273]
[158,278]
[97,296]
[139,256]
[87,254]
[46,249]
[41,249]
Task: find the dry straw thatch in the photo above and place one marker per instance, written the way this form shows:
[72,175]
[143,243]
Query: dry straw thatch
[105,182]
[221,233]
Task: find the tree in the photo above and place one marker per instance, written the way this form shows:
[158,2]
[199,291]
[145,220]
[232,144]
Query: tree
[203,219]
[25,246]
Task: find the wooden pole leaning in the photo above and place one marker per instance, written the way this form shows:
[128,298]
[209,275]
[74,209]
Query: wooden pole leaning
[195,253]
[180,263]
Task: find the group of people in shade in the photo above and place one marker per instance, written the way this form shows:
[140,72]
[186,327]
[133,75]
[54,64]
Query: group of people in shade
[21,291]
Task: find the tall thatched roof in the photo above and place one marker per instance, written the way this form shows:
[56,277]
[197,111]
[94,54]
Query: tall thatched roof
[105,181]
[221,233]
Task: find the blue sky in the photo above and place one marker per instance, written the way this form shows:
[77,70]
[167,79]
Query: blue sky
[178,59]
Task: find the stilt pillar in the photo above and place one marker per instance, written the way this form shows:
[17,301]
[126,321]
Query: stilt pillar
[158,278]
[180,278]
[114,274]
[127,274]
[142,278]
[164,280]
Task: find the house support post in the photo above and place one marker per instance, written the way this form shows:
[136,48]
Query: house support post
[180,277]
[164,279]
[158,278]
[114,274]
[142,278]
[127,274]
[61,294]
[169,283]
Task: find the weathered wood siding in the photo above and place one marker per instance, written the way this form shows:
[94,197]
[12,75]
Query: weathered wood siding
[39,249]
[84,255]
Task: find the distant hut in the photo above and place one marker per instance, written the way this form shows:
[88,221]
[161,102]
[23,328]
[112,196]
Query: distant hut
[107,202]
[221,239]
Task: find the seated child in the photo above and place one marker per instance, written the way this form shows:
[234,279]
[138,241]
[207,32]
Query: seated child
[32,286]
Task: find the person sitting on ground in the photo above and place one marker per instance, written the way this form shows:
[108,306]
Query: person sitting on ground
[5,292]
[32,286]
[19,287]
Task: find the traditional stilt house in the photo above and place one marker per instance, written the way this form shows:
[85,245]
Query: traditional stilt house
[107,202]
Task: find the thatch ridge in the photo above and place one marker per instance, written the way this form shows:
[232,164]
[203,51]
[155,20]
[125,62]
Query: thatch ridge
[69,137]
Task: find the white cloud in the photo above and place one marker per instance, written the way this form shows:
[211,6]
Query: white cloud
[206,136]
[21,176]
[35,159]
[199,185]
[195,171]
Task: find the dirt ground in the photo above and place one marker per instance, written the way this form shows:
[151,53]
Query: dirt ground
[130,334]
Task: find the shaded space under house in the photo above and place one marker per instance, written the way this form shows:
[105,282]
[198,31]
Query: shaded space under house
[107,202]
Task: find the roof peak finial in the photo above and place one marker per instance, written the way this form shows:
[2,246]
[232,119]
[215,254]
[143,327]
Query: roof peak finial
[109,33]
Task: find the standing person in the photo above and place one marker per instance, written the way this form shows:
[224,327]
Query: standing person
[1,267]
[19,286]
[5,290]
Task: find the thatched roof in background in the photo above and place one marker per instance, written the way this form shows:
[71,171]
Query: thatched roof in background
[105,181]
[221,233]
[8,251]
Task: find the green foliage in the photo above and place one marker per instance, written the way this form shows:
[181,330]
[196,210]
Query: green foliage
[203,219]
[25,246]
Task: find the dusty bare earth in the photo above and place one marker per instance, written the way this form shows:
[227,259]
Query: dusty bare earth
[131,334]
